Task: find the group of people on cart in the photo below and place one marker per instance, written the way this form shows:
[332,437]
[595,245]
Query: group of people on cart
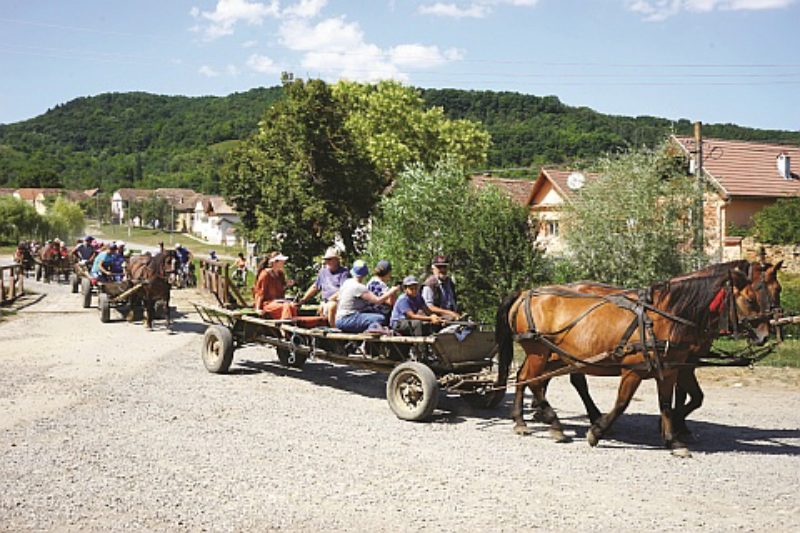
[354,304]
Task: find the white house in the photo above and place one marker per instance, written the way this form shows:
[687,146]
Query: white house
[215,221]
[122,198]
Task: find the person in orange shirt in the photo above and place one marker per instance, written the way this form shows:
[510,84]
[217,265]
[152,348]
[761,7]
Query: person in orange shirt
[269,290]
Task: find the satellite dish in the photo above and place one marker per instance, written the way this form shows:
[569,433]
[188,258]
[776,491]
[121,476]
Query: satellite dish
[576,180]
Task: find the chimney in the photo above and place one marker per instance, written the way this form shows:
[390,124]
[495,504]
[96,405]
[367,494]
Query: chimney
[784,166]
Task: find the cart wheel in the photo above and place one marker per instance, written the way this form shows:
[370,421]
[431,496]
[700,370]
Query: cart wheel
[86,290]
[490,400]
[75,282]
[217,349]
[38,272]
[160,308]
[412,391]
[285,355]
[105,307]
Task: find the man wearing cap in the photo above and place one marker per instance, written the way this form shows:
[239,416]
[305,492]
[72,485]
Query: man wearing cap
[269,291]
[101,269]
[84,253]
[329,280]
[439,291]
[352,313]
[410,315]
[378,285]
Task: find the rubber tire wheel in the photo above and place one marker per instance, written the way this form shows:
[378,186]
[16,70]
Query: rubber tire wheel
[485,401]
[160,309]
[283,357]
[74,282]
[105,307]
[86,290]
[412,391]
[217,349]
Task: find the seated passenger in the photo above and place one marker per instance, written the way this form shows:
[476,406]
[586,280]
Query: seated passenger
[439,291]
[410,315]
[101,269]
[352,315]
[269,291]
[329,280]
[378,286]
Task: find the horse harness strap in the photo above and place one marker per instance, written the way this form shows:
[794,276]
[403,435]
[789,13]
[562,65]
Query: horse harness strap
[648,344]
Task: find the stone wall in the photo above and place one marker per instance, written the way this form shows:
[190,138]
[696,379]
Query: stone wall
[789,254]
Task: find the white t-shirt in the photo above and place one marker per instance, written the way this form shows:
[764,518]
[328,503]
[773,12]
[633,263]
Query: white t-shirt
[350,300]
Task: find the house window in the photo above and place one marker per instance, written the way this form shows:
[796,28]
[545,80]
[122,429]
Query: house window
[551,228]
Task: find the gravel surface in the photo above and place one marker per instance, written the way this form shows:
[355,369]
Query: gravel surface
[112,427]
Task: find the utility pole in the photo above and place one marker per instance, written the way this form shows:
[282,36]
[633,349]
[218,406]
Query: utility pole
[699,227]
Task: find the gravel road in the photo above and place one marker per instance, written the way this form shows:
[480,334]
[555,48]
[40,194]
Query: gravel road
[112,427]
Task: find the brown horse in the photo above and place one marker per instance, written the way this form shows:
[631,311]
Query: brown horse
[593,334]
[153,272]
[764,286]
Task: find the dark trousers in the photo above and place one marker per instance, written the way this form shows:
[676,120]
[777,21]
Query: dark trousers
[413,328]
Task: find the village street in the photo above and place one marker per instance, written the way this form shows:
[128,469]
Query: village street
[113,427]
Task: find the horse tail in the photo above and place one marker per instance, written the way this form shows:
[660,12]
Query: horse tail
[503,335]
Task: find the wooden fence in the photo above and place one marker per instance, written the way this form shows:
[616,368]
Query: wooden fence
[215,279]
[11,283]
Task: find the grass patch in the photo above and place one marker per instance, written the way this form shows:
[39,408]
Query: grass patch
[151,237]
[785,355]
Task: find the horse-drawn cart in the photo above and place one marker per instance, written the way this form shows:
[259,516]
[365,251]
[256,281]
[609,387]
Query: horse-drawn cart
[460,359]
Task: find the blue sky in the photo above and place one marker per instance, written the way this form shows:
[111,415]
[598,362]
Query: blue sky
[711,60]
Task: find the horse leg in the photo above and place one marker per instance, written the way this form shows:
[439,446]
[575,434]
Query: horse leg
[580,384]
[627,388]
[687,383]
[149,309]
[666,387]
[536,407]
[520,428]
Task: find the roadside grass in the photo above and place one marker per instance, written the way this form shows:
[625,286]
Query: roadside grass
[6,250]
[151,237]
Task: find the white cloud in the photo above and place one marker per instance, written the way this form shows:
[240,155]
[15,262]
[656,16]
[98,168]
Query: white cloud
[262,64]
[232,70]
[208,72]
[249,44]
[306,8]
[656,10]
[470,9]
[337,48]
[228,13]
[420,56]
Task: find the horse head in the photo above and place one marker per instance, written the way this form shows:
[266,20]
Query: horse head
[746,308]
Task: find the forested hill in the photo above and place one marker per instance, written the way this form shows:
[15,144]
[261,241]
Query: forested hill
[144,140]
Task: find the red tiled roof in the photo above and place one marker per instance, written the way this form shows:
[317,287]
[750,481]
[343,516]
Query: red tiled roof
[134,194]
[745,168]
[559,180]
[182,199]
[30,193]
[6,192]
[518,190]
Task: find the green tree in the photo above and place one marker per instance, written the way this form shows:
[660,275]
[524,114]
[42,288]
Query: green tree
[630,227]
[779,223]
[18,220]
[300,182]
[65,219]
[487,237]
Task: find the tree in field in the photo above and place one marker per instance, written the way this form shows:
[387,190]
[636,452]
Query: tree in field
[486,236]
[323,156]
[18,220]
[65,220]
[631,226]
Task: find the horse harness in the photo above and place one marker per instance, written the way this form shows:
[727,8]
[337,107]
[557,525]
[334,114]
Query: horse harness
[648,344]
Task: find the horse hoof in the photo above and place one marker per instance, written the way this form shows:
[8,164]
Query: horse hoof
[592,438]
[522,430]
[538,416]
[558,436]
[682,452]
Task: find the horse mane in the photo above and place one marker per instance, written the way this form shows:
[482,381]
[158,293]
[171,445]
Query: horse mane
[689,297]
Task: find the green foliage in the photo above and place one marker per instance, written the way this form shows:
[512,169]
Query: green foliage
[300,181]
[151,209]
[18,220]
[98,208]
[392,126]
[65,220]
[630,227]
[779,223]
[486,236]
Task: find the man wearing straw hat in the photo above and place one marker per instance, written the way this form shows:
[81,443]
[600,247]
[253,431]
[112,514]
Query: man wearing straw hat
[328,282]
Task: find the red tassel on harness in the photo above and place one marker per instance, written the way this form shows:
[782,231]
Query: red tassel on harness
[716,303]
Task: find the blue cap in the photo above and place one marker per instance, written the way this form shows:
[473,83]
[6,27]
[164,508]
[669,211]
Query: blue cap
[88,238]
[383,267]
[359,269]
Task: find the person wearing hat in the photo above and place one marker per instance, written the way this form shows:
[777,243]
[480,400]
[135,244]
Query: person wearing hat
[84,252]
[439,291]
[269,291]
[353,313]
[410,315]
[329,280]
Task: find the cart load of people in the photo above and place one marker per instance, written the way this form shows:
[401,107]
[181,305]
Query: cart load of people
[352,303]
